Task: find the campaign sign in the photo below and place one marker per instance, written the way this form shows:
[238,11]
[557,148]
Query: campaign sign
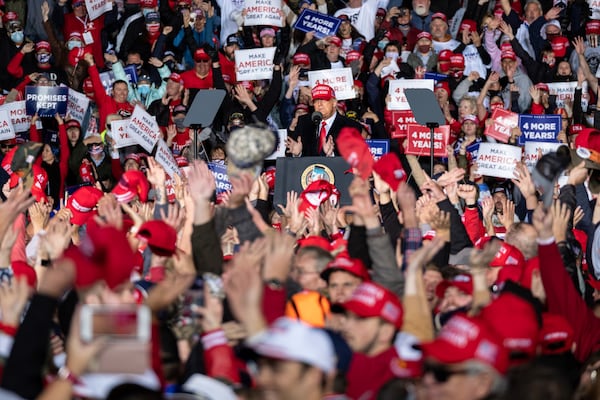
[321,24]
[118,132]
[539,128]
[340,80]
[6,127]
[533,151]
[143,128]
[95,8]
[107,78]
[280,150]
[254,64]
[435,76]
[398,100]
[19,118]
[77,105]
[262,12]
[46,101]
[131,73]
[165,158]
[419,140]
[502,122]
[219,171]
[566,91]
[473,150]
[378,147]
[400,121]
[497,160]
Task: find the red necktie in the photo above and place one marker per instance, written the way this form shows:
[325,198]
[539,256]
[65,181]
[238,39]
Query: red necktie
[322,135]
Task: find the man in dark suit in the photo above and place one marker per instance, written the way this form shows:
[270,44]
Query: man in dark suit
[312,139]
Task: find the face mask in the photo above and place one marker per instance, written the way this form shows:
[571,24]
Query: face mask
[549,60]
[137,66]
[95,150]
[382,44]
[179,123]
[392,55]
[424,49]
[153,29]
[146,11]
[71,44]
[43,58]
[17,36]
[143,90]
[589,119]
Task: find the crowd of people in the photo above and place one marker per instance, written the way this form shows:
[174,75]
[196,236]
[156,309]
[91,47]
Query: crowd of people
[123,279]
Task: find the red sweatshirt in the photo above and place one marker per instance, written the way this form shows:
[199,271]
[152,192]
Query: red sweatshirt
[106,104]
[563,299]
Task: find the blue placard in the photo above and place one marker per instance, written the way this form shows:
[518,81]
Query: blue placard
[46,100]
[473,150]
[131,73]
[435,76]
[378,147]
[539,128]
[321,24]
[221,178]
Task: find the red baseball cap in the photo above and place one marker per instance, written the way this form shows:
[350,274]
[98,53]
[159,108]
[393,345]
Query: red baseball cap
[175,77]
[352,55]
[336,41]
[424,35]
[542,86]
[445,55]
[442,85]
[82,203]
[559,46]
[22,269]
[439,15]
[315,194]
[472,118]
[457,60]
[72,123]
[148,3]
[469,25]
[347,264]
[463,282]
[508,54]
[104,254]
[132,184]
[301,58]
[588,138]
[508,255]
[592,27]
[200,54]
[372,300]
[515,319]
[315,241]
[160,236]
[556,335]
[464,339]
[389,168]
[355,151]
[43,45]
[322,92]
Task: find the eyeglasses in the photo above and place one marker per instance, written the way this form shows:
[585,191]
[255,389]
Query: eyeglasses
[92,145]
[442,374]
[7,146]
[203,61]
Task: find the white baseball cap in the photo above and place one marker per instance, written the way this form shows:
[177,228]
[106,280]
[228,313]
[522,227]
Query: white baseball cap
[293,340]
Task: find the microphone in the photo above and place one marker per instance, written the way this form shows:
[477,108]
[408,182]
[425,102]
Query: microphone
[316,117]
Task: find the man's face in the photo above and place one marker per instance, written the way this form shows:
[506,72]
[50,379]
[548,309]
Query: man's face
[362,334]
[325,107]
[341,285]
[438,29]
[499,198]
[421,7]
[458,385]
[305,273]
[202,67]
[80,10]
[134,58]
[172,88]
[230,50]
[508,64]
[532,12]
[431,278]
[454,299]
[120,92]
[282,380]
[332,52]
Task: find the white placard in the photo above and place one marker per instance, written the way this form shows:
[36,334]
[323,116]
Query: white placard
[280,151]
[340,79]
[262,12]
[118,132]
[532,150]
[254,64]
[95,8]
[143,128]
[6,127]
[499,160]
[165,158]
[17,115]
[566,90]
[77,105]
[396,91]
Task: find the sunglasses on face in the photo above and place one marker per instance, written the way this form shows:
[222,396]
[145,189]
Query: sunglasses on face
[7,146]
[442,374]
[92,145]
[203,61]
